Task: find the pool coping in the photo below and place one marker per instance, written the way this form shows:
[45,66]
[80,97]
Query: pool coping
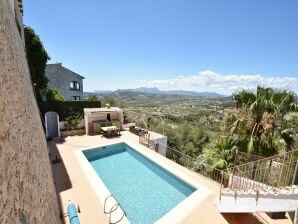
[176,214]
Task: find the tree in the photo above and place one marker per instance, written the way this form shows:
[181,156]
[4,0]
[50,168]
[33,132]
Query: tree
[259,124]
[110,101]
[54,95]
[122,104]
[37,59]
[262,125]
[92,98]
[219,153]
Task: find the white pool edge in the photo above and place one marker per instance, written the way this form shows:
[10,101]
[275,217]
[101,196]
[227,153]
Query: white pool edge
[175,215]
[96,183]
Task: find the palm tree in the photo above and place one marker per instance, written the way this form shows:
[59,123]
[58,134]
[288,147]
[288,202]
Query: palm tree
[219,154]
[259,124]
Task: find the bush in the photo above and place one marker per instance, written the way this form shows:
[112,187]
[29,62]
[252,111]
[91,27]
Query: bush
[97,128]
[116,123]
[92,98]
[54,95]
[67,108]
[73,121]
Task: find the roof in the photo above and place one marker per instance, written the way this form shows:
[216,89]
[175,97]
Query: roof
[102,110]
[60,65]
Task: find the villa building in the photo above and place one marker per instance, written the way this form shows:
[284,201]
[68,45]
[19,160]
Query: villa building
[68,83]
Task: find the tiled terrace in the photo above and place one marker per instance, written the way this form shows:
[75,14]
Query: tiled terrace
[72,184]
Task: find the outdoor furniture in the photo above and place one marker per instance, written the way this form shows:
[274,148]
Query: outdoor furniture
[128,126]
[117,131]
[110,131]
[137,131]
[105,129]
[105,116]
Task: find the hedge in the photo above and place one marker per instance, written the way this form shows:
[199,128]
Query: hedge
[67,108]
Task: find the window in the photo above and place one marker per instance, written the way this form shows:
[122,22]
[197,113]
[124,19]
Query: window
[75,98]
[74,85]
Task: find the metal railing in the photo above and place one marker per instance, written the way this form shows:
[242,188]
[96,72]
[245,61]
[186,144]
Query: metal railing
[267,174]
[276,171]
[144,138]
[243,158]
[187,161]
[249,172]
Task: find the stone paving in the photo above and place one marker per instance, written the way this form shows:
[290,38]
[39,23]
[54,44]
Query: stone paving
[72,184]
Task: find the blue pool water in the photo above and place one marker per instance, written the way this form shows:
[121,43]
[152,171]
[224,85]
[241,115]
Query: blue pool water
[145,190]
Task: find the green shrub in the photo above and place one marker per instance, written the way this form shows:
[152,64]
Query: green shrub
[116,123]
[54,95]
[92,98]
[73,121]
[67,108]
[97,128]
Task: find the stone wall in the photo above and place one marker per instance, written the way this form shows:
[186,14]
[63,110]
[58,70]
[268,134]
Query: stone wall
[27,193]
[60,78]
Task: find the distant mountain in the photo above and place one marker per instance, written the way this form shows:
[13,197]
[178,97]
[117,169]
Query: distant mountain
[155,90]
[141,90]
[102,91]
[193,93]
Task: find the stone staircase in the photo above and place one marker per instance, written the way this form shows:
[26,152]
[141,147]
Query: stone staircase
[283,200]
[265,185]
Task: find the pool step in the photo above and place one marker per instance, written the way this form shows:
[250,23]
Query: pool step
[115,211]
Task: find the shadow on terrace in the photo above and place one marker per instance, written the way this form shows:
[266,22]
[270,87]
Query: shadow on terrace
[61,178]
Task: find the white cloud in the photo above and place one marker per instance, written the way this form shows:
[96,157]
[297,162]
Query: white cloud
[224,84]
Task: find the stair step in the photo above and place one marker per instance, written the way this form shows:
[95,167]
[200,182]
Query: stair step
[271,201]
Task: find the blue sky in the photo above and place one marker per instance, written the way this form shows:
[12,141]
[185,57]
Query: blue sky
[211,45]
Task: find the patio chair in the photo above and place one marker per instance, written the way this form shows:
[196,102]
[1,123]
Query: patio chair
[109,132]
[116,132]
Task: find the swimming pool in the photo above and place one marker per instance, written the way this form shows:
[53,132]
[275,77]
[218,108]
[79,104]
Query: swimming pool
[145,190]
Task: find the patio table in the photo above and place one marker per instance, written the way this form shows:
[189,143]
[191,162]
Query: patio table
[105,129]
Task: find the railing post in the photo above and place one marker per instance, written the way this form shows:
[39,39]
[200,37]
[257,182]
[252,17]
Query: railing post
[296,217]
[221,184]
[235,195]
[236,157]
[295,172]
[287,177]
[269,170]
[281,171]
[254,169]
[231,179]
[257,196]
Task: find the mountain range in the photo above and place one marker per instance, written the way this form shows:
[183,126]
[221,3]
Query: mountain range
[155,90]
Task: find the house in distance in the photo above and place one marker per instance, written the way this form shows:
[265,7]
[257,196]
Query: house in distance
[67,82]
